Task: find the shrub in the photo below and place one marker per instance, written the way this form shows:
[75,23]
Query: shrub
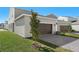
[73,30]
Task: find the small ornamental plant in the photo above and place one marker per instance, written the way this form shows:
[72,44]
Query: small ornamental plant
[36,46]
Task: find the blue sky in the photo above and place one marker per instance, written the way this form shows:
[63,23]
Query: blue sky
[3,14]
[59,11]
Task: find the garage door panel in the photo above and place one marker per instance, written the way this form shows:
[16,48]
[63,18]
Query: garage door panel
[45,28]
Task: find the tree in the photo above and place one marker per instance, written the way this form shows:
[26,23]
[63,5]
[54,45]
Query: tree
[34,26]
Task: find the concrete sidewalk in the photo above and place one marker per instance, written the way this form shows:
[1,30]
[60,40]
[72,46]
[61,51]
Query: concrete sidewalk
[2,30]
[74,46]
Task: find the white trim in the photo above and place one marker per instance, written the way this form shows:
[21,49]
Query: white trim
[19,16]
[30,15]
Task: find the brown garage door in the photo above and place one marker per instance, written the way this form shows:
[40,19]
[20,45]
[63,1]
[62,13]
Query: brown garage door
[64,28]
[45,28]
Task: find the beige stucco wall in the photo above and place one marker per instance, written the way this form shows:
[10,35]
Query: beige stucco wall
[46,20]
[75,27]
[27,26]
[19,27]
[64,22]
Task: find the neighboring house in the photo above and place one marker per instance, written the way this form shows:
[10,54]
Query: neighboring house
[19,22]
[75,25]
[6,25]
[67,18]
[1,25]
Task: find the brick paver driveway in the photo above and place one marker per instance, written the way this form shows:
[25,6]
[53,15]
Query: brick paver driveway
[57,40]
[62,41]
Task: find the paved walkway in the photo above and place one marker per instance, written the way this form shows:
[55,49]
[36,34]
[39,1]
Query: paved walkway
[62,41]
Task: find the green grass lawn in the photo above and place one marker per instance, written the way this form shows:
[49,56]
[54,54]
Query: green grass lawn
[70,35]
[11,42]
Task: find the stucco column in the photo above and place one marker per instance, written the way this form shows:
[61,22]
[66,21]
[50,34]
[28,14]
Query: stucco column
[53,28]
[56,27]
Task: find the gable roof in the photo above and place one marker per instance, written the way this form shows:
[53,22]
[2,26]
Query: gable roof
[22,11]
[18,12]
